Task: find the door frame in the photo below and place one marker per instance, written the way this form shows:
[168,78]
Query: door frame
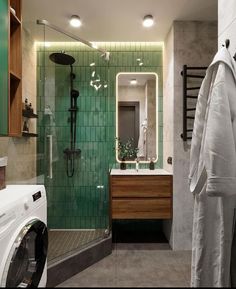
[136,105]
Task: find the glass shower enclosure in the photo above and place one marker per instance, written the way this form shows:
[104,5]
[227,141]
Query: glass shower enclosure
[72,159]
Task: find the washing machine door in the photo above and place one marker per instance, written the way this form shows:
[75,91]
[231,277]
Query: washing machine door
[27,258]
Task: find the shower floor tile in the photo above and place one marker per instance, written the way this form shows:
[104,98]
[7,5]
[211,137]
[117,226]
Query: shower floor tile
[137,265]
[63,243]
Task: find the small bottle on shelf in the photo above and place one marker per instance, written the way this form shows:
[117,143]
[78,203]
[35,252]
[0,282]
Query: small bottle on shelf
[26,103]
[30,108]
[137,164]
[25,127]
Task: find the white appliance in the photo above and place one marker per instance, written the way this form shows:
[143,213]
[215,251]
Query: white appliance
[23,236]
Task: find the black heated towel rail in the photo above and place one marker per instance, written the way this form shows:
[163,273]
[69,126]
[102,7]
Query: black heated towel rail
[190,92]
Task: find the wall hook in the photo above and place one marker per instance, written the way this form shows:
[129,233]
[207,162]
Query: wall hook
[227,43]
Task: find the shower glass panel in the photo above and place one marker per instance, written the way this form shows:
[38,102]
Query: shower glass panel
[73,93]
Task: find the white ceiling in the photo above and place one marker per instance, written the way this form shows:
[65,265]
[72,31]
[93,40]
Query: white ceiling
[119,20]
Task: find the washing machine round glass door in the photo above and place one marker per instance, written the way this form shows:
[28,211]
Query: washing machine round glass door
[27,258]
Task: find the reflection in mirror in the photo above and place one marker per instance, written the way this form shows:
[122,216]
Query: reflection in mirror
[136,117]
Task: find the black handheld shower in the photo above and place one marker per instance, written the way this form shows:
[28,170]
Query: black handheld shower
[72,152]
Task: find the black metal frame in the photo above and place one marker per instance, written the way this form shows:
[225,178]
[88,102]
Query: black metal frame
[188,72]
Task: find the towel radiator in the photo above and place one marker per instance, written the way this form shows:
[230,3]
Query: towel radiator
[190,92]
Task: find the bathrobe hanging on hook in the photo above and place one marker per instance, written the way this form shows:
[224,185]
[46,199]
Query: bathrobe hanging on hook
[213,174]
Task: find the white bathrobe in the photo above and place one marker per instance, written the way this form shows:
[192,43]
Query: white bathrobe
[213,174]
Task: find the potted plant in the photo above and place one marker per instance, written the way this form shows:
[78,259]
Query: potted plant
[126,151]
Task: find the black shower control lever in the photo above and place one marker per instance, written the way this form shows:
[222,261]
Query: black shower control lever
[74,93]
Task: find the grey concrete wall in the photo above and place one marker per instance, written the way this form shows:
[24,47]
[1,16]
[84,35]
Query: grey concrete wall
[227,23]
[168,114]
[194,44]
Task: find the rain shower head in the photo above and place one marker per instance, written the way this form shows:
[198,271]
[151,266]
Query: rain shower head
[62,58]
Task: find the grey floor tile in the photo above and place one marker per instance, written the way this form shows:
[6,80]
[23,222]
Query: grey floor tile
[137,265]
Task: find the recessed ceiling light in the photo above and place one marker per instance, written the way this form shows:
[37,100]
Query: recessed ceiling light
[148,21]
[133,81]
[75,21]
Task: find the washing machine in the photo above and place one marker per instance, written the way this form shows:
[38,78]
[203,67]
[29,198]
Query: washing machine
[23,236]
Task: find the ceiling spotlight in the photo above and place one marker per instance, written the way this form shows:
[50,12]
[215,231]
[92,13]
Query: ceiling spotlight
[75,21]
[148,21]
[133,81]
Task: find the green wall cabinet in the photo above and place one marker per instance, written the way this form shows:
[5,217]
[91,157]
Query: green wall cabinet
[4,24]
[10,68]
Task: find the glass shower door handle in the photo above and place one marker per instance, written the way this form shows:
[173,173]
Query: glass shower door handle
[49,137]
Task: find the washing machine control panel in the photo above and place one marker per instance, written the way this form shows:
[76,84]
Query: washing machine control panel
[37,196]
[32,201]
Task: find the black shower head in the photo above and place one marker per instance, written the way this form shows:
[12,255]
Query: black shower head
[62,58]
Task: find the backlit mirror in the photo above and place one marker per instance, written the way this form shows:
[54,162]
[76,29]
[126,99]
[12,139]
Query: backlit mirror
[136,116]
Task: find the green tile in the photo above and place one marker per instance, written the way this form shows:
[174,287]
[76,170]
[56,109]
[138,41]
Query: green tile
[75,203]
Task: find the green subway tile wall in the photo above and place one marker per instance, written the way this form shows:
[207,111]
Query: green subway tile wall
[77,203]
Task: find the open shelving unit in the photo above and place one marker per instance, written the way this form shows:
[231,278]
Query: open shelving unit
[15,70]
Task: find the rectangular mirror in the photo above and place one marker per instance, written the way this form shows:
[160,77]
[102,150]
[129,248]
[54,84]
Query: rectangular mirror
[136,116]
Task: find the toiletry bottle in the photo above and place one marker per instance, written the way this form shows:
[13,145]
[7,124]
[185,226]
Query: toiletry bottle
[151,165]
[30,108]
[26,104]
[25,127]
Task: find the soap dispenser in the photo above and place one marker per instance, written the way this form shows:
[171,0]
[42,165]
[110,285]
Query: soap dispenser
[151,164]
[137,164]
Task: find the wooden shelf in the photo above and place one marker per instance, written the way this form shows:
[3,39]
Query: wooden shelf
[29,134]
[16,5]
[15,76]
[14,19]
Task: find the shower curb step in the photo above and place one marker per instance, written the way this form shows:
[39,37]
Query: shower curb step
[72,265]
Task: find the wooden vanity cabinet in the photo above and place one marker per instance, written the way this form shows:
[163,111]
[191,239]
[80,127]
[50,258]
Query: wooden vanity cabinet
[141,196]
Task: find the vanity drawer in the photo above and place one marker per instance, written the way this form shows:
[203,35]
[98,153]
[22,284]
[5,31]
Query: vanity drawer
[141,186]
[138,208]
